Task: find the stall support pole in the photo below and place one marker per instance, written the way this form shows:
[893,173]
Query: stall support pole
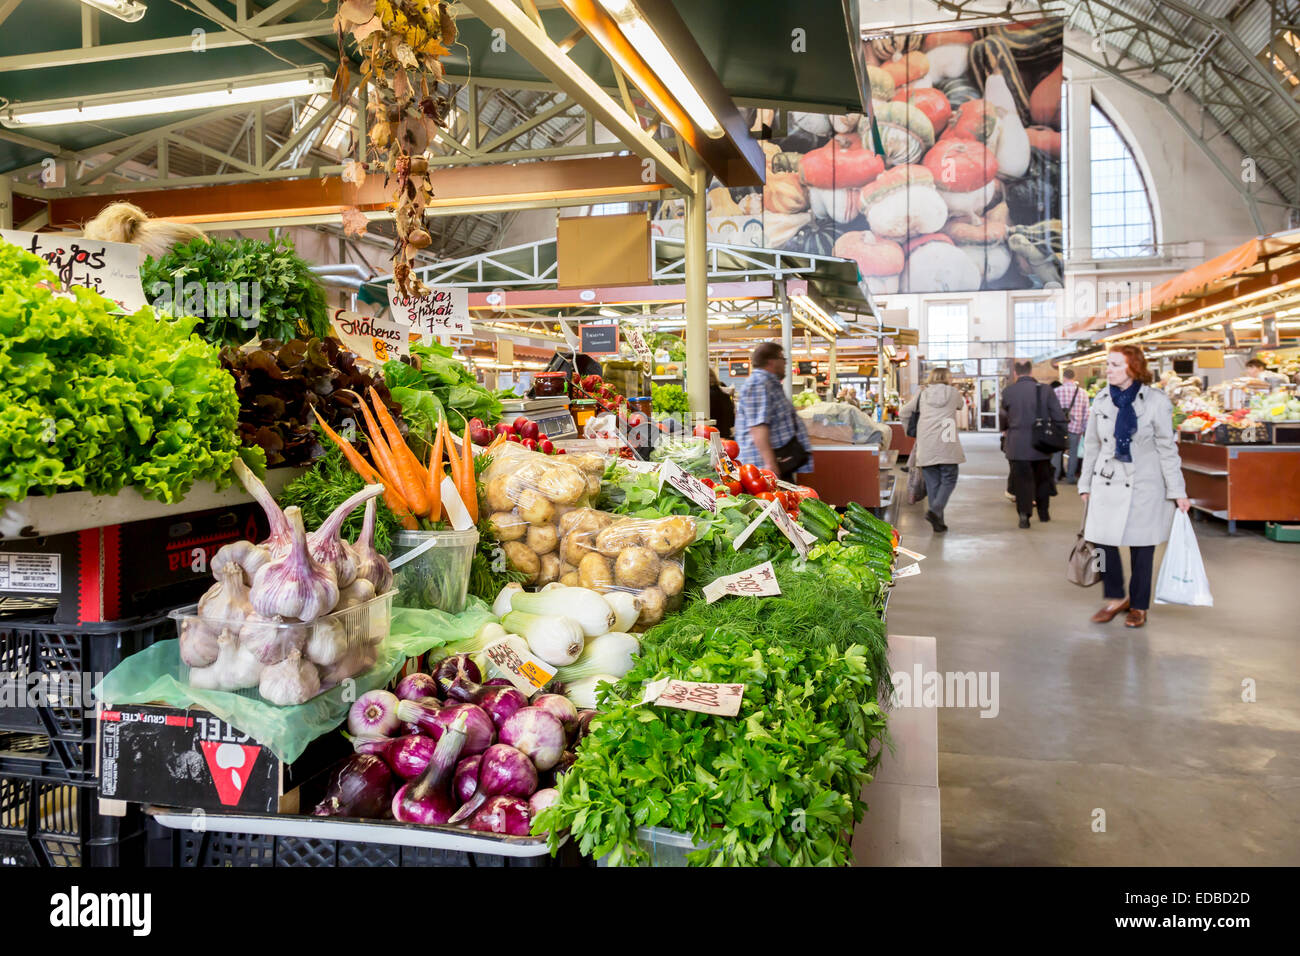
[6,203]
[831,376]
[697,299]
[787,337]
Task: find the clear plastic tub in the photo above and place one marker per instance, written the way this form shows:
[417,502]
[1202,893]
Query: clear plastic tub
[355,635]
[664,847]
[436,575]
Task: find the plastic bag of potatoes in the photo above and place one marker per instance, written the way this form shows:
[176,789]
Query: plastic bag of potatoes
[526,493]
[606,552]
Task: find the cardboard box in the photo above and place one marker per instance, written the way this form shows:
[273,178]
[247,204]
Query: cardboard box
[189,758]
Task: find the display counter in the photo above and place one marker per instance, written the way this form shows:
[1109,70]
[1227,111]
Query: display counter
[902,443]
[1242,482]
[844,473]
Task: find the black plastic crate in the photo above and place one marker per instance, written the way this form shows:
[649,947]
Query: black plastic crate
[188,848]
[59,824]
[55,741]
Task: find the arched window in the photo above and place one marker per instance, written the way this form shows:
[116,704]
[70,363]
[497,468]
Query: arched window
[1122,223]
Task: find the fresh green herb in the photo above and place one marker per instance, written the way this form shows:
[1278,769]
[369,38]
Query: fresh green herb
[94,400]
[240,289]
[435,383]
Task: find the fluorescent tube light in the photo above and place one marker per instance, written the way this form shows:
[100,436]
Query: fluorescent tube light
[646,42]
[175,99]
[129,10]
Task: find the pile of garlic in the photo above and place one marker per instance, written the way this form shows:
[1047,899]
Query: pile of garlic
[269,622]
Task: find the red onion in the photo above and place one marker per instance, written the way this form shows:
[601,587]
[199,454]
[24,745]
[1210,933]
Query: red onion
[502,814]
[501,703]
[417,687]
[542,799]
[497,682]
[360,787]
[458,665]
[537,733]
[479,732]
[561,708]
[504,770]
[429,800]
[408,756]
[373,714]
[584,724]
[465,783]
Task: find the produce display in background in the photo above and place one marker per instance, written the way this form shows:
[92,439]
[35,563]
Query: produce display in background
[241,289]
[596,388]
[669,400]
[967,193]
[282,387]
[295,614]
[805,398]
[523,430]
[778,783]
[435,384]
[97,401]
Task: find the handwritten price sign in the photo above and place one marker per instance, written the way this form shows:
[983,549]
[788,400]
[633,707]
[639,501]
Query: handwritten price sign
[758,581]
[688,486]
[110,268]
[788,527]
[371,337]
[721,700]
[444,311]
[526,672]
[637,340]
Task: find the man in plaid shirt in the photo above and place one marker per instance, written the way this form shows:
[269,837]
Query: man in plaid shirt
[1075,401]
[765,418]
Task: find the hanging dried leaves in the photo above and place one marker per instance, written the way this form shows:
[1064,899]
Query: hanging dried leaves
[400,42]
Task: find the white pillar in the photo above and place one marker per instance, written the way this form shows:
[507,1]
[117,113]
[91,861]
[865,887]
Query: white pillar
[696,306]
[787,336]
[6,203]
[1078,244]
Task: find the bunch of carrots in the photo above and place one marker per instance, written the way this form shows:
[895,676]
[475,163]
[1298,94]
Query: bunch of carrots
[411,490]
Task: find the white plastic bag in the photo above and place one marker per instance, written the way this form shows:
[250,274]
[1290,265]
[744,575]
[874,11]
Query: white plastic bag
[1182,577]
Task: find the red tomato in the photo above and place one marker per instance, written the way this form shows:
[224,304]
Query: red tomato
[733,487]
[751,480]
[720,492]
[806,492]
[731,448]
[769,478]
[766,495]
[789,500]
[708,481]
[704,431]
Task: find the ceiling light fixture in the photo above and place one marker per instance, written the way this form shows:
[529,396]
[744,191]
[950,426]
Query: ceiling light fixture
[129,10]
[185,98]
[646,42]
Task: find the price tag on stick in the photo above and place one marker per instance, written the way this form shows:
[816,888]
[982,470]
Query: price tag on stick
[722,700]
[523,670]
[758,581]
[907,572]
[688,486]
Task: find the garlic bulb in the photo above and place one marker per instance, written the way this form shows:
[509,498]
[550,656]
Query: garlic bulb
[269,640]
[226,602]
[296,584]
[328,548]
[371,565]
[328,643]
[358,592]
[198,643]
[361,658]
[277,542]
[245,555]
[235,668]
[292,681]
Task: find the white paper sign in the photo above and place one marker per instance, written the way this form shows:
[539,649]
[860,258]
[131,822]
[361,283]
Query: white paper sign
[758,581]
[110,268]
[371,337]
[722,700]
[637,340]
[911,554]
[444,311]
[688,486]
[526,672]
[638,467]
[30,572]
[908,571]
[721,461]
[798,537]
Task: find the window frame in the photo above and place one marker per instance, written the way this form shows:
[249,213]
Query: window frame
[1102,238]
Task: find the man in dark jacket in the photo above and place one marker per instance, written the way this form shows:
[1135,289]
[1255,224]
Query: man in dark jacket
[1031,470]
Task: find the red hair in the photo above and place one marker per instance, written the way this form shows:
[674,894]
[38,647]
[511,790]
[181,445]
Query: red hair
[1136,361]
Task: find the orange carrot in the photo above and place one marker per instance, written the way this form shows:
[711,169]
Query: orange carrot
[435,477]
[412,475]
[392,497]
[453,459]
[384,462]
[467,475]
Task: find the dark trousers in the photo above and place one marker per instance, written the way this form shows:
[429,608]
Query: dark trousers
[1075,453]
[1031,482]
[940,480]
[1112,574]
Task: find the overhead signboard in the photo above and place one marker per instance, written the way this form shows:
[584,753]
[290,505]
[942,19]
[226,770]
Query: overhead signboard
[739,368]
[599,338]
[443,311]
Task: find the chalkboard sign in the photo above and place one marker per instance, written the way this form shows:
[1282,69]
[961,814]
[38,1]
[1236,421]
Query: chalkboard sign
[805,368]
[600,338]
[739,369]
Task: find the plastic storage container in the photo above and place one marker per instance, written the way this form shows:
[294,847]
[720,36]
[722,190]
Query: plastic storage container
[437,577]
[665,847]
[50,735]
[57,824]
[550,384]
[361,628]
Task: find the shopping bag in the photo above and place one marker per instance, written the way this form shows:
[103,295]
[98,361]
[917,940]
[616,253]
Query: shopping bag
[915,484]
[1082,567]
[1182,577]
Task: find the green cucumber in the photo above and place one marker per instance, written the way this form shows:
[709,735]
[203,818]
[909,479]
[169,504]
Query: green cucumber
[819,511]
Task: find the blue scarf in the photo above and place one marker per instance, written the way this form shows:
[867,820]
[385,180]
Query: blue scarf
[1126,422]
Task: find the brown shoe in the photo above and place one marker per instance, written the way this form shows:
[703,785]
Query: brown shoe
[1109,610]
[1135,618]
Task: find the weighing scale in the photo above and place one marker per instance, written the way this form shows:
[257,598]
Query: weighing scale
[551,415]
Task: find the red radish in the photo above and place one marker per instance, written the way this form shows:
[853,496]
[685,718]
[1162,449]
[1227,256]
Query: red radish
[503,429]
[530,430]
[529,443]
[514,438]
[480,435]
[519,424]
[546,447]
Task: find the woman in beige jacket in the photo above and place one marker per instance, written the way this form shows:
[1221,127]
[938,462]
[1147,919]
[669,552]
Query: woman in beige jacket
[938,449]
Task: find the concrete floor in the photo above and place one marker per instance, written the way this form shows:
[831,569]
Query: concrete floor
[1147,725]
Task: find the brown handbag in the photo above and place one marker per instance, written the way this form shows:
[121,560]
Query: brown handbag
[1083,567]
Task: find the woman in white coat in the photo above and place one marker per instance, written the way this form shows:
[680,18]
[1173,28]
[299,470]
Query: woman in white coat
[938,450]
[1132,477]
